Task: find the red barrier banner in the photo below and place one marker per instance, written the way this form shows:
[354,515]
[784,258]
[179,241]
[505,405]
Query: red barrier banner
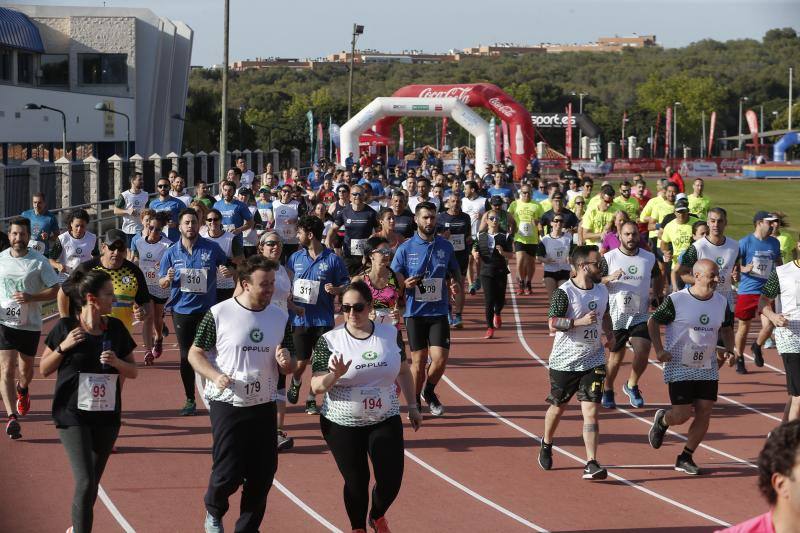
[711,132]
[568,143]
[752,123]
[668,134]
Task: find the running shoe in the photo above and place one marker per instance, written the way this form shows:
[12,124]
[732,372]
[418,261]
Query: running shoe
[13,430]
[165,330]
[528,289]
[740,368]
[189,408]
[285,442]
[634,395]
[473,289]
[311,407]
[70,529]
[520,290]
[293,393]
[458,322]
[379,525]
[607,400]
[685,463]
[158,348]
[478,284]
[546,456]
[769,343]
[489,333]
[213,525]
[23,401]
[434,405]
[498,321]
[593,470]
[657,430]
[149,358]
[758,356]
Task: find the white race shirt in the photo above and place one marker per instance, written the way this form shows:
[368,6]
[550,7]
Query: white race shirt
[282,213]
[132,224]
[629,296]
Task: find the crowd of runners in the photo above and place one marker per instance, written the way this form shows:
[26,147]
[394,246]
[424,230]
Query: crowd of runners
[257,278]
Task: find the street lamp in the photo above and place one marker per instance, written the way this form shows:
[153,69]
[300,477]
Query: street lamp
[741,99]
[675,128]
[357,30]
[33,107]
[580,112]
[241,125]
[100,106]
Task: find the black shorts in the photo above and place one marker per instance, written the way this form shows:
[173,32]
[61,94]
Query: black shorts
[791,363]
[558,275]
[529,249]
[587,383]
[354,264]
[23,341]
[686,392]
[463,261]
[427,331]
[305,338]
[158,301]
[621,336]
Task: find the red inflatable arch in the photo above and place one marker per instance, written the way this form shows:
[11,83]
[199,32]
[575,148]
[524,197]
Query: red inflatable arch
[486,95]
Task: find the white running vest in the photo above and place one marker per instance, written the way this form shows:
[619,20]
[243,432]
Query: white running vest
[75,251]
[283,286]
[724,256]
[149,262]
[132,224]
[225,241]
[558,249]
[251,236]
[581,347]
[629,296]
[788,338]
[282,213]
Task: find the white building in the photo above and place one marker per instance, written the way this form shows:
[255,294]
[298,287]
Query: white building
[72,58]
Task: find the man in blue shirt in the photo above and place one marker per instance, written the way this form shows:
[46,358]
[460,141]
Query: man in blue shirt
[423,264]
[166,203]
[189,269]
[318,275]
[236,217]
[377,187]
[759,254]
[499,188]
[44,225]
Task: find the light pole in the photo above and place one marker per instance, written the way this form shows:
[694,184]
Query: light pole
[100,106]
[739,138]
[32,107]
[675,128]
[223,130]
[241,124]
[580,112]
[357,30]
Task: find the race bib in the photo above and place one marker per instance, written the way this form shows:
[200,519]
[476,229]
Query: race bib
[229,227]
[36,245]
[588,336]
[458,242]
[287,233]
[249,389]
[628,303]
[762,267]
[13,313]
[150,274]
[429,290]
[371,404]
[696,355]
[305,291]
[194,280]
[560,254]
[525,229]
[384,316]
[357,246]
[97,392]
[73,263]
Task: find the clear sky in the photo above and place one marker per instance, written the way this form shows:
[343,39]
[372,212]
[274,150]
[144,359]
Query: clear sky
[315,28]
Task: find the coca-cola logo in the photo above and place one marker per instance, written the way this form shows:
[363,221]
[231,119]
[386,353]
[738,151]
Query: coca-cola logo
[551,120]
[503,109]
[462,93]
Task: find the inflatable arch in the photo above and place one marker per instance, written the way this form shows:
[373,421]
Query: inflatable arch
[417,107]
[486,95]
[785,142]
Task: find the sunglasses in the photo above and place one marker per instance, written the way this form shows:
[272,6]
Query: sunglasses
[357,194]
[382,251]
[359,307]
[560,221]
[163,186]
[271,243]
[213,219]
[116,245]
[492,218]
[287,191]
[580,203]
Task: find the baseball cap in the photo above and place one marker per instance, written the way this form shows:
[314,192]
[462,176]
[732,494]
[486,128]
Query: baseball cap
[680,196]
[682,204]
[558,195]
[496,200]
[244,191]
[764,215]
[114,235]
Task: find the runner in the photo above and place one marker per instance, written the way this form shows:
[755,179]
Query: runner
[571,222]
[129,205]
[26,280]
[554,251]
[526,214]
[248,176]
[360,411]
[759,254]
[475,206]
[676,236]
[596,221]
[386,291]
[423,262]
[403,217]
[695,318]
[213,231]
[285,215]
[423,195]
[201,194]
[236,217]
[359,222]
[74,246]
[165,202]
[179,188]
[91,351]
[44,225]
[318,275]
[189,270]
[456,226]
[626,202]
[490,249]
[386,219]
[628,272]
[147,254]
[241,347]
[698,202]
[577,361]
[250,236]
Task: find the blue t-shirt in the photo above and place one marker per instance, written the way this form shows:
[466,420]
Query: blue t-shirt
[764,255]
[174,206]
[539,196]
[376,186]
[326,268]
[234,215]
[206,255]
[44,223]
[432,260]
[504,192]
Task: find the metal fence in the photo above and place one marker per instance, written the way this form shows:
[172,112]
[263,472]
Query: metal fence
[149,173]
[18,193]
[79,183]
[49,180]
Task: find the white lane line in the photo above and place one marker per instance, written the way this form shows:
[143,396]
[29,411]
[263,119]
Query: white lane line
[126,526]
[472,493]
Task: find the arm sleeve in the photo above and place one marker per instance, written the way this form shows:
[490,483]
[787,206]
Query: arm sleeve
[339,220]
[122,341]
[559,304]
[245,212]
[772,288]
[342,277]
[55,250]
[689,257]
[603,267]
[48,274]
[119,202]
[665,312]
[320,356]
[398,263]
[206,335]
[401,345]
[541,251]
[288,339]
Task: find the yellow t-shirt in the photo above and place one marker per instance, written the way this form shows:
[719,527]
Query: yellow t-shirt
[788,243]
[596,221]
[679,236]
[630,206]
[525,216]
[657,208]
[699,205]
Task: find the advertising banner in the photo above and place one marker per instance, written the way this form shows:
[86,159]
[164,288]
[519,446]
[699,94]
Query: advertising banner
[668,134]
[695,169]
[752,123]
[711,132]
[568,143]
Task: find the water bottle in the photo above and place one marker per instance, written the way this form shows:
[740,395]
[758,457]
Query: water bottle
[106,347]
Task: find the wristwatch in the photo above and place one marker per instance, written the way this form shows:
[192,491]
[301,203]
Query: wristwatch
[59,350]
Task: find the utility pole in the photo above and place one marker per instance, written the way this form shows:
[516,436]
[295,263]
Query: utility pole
[357,30]
[791,71]
[223,133]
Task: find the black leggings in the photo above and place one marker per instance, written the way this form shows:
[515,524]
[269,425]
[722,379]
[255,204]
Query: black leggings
[350,446]
[494,295]
[88,448]
[185,328]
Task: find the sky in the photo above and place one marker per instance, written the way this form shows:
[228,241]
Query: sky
[316,28]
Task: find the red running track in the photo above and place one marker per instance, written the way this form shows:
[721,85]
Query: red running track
[472,470]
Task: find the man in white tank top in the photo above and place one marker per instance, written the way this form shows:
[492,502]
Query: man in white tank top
[129,205]
[230,247]
[74,246]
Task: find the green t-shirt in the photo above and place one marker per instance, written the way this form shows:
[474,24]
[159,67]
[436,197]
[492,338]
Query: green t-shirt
[525,214]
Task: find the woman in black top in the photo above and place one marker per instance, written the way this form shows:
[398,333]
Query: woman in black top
[90,351]
[491,248]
